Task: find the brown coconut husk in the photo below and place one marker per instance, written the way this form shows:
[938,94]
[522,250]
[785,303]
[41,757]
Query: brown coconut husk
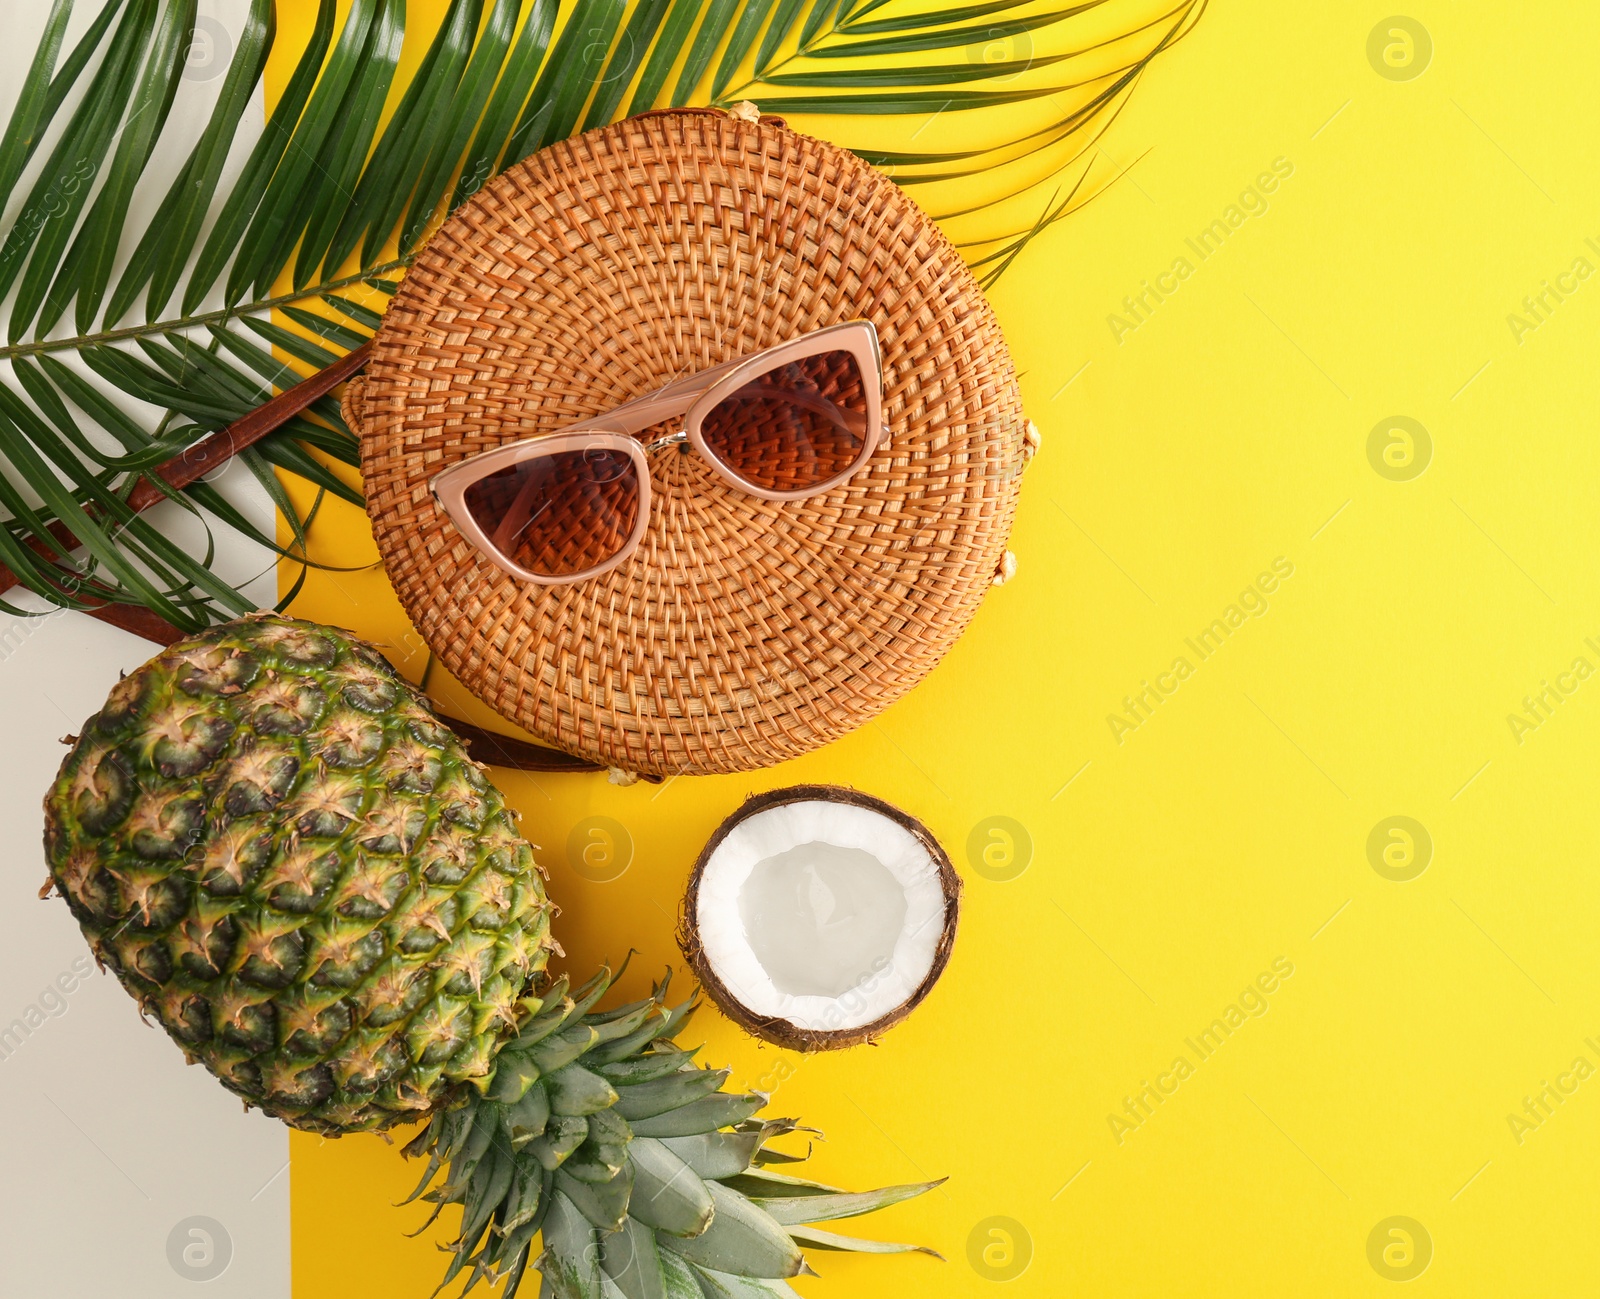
[781,1032]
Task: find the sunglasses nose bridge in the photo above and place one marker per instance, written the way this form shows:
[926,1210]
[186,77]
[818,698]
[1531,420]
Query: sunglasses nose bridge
[670,440]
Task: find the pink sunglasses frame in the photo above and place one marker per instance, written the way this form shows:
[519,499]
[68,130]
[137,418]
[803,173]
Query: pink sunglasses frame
[691,397]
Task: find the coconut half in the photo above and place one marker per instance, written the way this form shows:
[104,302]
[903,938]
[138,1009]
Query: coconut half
[818,916]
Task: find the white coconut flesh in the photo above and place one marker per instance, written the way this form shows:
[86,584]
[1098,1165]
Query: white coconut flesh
[820,913]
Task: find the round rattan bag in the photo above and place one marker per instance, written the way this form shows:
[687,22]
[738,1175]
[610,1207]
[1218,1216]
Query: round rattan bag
[742,631]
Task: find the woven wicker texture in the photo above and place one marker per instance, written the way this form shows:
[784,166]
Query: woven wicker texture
[742,631]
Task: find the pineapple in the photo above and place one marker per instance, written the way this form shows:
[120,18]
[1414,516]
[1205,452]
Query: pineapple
[295,867]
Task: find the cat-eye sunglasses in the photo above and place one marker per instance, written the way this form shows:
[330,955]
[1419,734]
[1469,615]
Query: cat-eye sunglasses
[787,423]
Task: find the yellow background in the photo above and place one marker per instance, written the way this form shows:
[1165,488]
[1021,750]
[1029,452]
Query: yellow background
[1231,828]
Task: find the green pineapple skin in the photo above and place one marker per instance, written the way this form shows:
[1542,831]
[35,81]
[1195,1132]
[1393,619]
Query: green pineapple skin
[295,868]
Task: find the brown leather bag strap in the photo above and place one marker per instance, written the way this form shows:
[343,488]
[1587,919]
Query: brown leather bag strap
[507,751]
[219,447]
[216,449]
[704,110]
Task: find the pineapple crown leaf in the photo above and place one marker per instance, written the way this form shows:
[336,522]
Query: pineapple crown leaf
[641,1174]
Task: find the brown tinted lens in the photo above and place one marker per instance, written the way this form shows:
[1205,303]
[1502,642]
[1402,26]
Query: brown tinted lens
[796,426]
[559,514]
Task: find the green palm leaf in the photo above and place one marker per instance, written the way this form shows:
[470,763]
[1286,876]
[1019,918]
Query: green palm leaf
[347,177]
[159,258]
[29,116]
[88,265]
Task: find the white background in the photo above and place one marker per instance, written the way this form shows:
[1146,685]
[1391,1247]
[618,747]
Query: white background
[109,1142]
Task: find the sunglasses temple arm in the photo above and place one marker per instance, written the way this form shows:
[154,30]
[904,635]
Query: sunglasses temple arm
[672,399]
[851,421]
[700,380]
[642,412]
[667,402]
[520,515]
